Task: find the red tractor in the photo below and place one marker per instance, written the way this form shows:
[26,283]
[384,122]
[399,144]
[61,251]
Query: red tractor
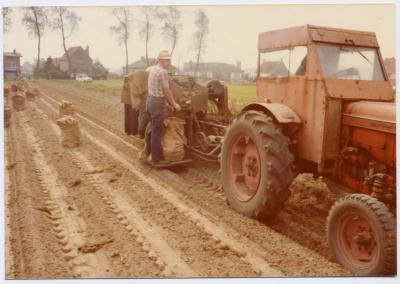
[325,107]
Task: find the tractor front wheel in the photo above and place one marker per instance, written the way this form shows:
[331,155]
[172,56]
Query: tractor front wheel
[256,165]
[361,234]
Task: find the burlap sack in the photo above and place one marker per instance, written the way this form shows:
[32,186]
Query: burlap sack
[66,108]
[134,90]
[181,88]
[30,96]
[136,86]
[18,101]
[70,131]
[125,97]
[20,87]
[180,92]
[36,91]
[23,83]
[6,91]
[174,139]
[7,115]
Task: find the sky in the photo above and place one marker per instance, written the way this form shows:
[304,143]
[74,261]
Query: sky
[232,37]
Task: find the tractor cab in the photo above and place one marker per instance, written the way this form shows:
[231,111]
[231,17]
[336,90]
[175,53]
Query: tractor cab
[315,71]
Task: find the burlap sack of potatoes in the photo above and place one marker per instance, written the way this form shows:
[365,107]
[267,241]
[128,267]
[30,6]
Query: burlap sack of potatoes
[174,139]
[7,115]
[66,108]
[20,87]
[70,131]
[6,91]
[30,96]
[18,101]
[22,82]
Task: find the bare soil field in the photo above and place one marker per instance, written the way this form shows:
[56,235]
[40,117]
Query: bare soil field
[96,211]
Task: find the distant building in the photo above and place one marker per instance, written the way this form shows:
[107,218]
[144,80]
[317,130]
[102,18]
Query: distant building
[141,64]
[250,73]
[214,70]
[27,69]
[390,66]
[273,68]
[80,61]
[11,67]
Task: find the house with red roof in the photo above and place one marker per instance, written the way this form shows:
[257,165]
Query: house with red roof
[81,62]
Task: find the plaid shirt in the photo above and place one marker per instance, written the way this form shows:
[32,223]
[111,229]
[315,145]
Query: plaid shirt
[158,80]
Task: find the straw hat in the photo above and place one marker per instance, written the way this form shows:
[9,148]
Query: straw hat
[164,54]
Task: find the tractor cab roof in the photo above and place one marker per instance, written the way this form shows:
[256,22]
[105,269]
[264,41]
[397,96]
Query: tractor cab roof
[304,35]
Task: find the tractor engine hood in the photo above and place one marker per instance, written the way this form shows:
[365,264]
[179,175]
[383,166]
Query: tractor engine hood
[359,89]
[378,116]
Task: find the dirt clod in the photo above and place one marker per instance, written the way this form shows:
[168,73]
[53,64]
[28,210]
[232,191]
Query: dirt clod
[115,254]
[75,183]
[11,166]
[93,247]
[44,209]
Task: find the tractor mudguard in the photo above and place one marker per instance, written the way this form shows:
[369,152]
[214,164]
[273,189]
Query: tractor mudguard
[281,113]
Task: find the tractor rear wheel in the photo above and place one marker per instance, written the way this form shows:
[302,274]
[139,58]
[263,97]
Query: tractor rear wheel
[256,165]
[361,234]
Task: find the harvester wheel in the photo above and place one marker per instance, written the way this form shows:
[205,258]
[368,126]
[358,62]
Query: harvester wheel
[256,165]
[361,234]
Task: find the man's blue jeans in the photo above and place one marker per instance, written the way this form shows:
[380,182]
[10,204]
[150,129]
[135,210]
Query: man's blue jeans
[155,109]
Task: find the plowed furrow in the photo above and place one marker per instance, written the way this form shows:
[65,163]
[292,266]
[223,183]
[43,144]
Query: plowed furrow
[68,226]
[35,252]
[8,192]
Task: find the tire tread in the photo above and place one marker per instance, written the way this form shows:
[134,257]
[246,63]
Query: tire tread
[385,219]
[279,168]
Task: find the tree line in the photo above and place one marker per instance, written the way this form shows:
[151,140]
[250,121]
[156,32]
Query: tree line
[66,21]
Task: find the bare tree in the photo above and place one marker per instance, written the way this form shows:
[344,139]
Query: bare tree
[146,27]
[6,19]
[171,18]
[66,21]
[35,20]
[199,36]
[121,30]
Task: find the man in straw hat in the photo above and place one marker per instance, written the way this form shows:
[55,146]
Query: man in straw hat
[158,92]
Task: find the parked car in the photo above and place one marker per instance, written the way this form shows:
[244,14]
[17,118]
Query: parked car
[83,78]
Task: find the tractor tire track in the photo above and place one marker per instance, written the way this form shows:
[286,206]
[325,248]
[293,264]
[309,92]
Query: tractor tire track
[9,189]
[68,226]
[168,260]
[35,252]
[290,219]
